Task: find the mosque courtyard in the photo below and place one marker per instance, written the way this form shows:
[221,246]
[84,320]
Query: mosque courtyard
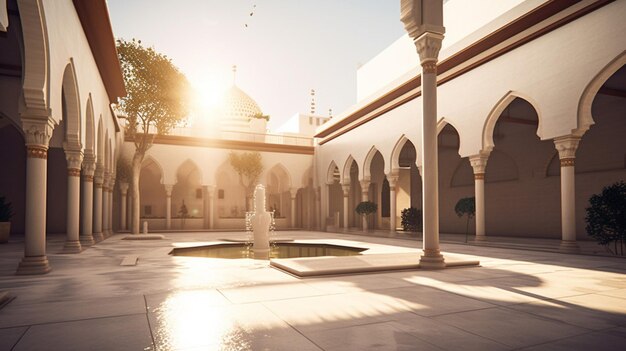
[515,299]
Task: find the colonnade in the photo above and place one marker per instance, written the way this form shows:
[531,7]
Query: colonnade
[88,211]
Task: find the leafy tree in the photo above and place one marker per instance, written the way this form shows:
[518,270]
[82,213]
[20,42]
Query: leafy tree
[411,219]
[157,100]
[466,207]
[606,217]
[183,213]
[249,167]
[123,170]
[366,208]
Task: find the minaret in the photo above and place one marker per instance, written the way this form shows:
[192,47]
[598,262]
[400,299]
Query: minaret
[312,101]
[234,73]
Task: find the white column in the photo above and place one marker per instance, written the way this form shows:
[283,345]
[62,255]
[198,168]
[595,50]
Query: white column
[74,157]
[365,187]
[318,208]
[111,189]
[168,205]
[123,203]
[293,192]
[86,208]
[37,134]
[393,182]
[479,164]
[105,205]
[211,205]
[346,197]
[566,146]
[97,203]
[424,23]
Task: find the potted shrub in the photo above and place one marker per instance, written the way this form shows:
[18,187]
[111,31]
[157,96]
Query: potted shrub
[6,212]
[466,207]
[411,220]
[366,208]
[606,217]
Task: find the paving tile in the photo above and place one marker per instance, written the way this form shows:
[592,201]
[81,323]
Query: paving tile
[608,340]
[10,336]
[512,328]
[433,301]
[270,291]
[115,333]
[377,336]
[28,314]
[184,324]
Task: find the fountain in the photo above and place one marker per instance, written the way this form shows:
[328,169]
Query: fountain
[260,220]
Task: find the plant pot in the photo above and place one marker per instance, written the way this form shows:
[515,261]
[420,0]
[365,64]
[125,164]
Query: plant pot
[5,230]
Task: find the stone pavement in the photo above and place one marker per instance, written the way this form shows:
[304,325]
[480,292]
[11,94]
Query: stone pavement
[517,299]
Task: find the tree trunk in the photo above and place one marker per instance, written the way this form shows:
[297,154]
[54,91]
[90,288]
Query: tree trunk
[136,166]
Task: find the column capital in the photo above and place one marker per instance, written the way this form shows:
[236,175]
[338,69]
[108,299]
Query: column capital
[392,178]
[123,188]
[346,189]
[168,189]
[567,146]
[74,158]
[88,166]
[479,164]
[365,185]
[293,192]
[37,132]
[428,46]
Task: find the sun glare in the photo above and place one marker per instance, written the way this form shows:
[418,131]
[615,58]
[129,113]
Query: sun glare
[209,89]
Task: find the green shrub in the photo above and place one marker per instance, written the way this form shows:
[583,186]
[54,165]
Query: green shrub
[6,210]
[366,208]
[606,217]
[411,220]
[466,207]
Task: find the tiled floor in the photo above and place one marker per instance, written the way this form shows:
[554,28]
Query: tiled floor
[515,300]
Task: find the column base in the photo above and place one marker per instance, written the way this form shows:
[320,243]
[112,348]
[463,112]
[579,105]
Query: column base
[72,247]
[480,238]
[569,246]
[86,240]
[33,265]
[261,254]
[98,237]
[432,259]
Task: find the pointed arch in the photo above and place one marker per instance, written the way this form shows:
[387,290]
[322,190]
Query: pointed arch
[442,124]
[585,118]
[89,127]
[394,165]
[150,161]
[496,112]
[107,152]
[332,174]
[71,106]
[190,164]
[36,56]
[279,170]
[368,162]
[346,169]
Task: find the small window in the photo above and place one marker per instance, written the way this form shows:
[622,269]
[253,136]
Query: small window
[199,193]
[220,194]
[147,210]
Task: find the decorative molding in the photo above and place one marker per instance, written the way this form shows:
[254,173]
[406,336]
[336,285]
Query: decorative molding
[37,132]
[36,151]
[428,46]
[479,176]
[567,162]
[429,67]
[168,189]
[479,163]
[74,159]
[73,172]
[87,178]
[89,165]
[567,146]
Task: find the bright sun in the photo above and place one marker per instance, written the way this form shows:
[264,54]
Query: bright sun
[209,89]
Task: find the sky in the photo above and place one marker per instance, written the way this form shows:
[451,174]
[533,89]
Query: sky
[287,48]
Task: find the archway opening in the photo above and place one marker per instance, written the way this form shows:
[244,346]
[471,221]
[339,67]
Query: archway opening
[188,197]
[152,194]
[409,187]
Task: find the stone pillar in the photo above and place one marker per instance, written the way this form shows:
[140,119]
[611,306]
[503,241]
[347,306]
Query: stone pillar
[74,157]
[86,208]
[98,181]
[479,164]
[365,189]
[37,135]
[123,203]
[168,205]
[111,189]
[566,146]
[105,205]
[393,182]
[346,198]
[318,208]
[424,23]
[211,205]
[293,192]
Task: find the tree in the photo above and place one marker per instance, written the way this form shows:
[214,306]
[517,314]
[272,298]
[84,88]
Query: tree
[248,166]
[606,217]
[411,219]
[157,100]
[466,206]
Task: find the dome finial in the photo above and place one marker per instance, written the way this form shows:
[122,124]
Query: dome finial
[234,73]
